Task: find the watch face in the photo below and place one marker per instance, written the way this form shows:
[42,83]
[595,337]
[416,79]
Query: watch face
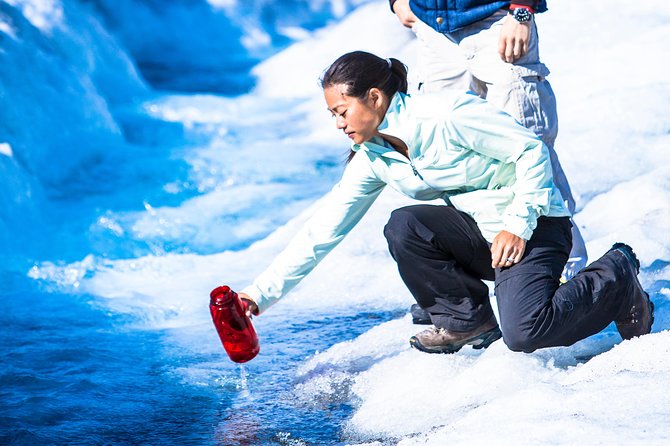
[522,15]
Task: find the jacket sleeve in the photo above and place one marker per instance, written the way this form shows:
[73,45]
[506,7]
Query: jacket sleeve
[478,126]
[530,3]
[336,216]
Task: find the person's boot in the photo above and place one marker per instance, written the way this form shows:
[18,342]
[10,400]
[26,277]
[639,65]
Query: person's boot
[419,315]
[640,317]
[440,340]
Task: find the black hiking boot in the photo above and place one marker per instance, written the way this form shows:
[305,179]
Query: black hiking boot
[419,315]
[640,317]
[440,340]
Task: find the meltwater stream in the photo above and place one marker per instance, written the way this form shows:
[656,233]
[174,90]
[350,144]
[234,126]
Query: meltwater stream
[74,373]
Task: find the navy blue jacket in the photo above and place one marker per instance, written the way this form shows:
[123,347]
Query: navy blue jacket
[446,16]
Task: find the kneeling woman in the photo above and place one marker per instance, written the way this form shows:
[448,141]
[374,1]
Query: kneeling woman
[503,219]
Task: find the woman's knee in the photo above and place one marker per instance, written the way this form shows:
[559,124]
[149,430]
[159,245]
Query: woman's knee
[520,342]
[523,338]
[519,333]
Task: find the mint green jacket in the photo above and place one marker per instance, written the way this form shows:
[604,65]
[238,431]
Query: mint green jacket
[461,150]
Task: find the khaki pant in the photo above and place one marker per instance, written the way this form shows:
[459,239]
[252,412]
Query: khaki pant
[468,59]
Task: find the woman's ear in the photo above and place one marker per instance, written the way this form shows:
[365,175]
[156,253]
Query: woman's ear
[376,97]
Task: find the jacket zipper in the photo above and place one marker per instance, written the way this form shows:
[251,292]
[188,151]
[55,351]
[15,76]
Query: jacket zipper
[416,172]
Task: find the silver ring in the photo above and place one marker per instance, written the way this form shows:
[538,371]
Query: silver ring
[510,260]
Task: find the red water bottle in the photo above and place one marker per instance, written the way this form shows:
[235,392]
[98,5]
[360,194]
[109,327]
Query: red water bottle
[237,334]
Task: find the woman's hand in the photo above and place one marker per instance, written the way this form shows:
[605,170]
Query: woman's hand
[251,307]
[507,249]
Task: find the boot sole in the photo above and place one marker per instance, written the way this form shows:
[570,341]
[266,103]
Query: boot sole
[629,253]
[478,342]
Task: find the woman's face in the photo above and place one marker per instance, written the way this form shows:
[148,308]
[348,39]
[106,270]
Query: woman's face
[358,118]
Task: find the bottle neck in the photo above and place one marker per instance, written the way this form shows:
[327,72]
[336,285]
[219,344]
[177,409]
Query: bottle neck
[222,296]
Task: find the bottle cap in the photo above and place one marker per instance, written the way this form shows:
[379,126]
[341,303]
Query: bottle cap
[221,294]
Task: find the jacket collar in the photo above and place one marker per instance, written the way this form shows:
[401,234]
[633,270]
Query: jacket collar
[390,125]
[395,114]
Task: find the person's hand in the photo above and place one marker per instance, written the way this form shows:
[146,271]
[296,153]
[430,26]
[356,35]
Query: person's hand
[506,250]
[513,40]
[404,13]
[251,307]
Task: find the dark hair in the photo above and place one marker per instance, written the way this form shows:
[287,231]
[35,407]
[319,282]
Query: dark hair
[360,71]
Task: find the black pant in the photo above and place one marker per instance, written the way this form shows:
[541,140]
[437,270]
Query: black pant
[442,258]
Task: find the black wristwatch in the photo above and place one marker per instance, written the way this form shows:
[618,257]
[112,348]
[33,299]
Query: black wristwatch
[521,15]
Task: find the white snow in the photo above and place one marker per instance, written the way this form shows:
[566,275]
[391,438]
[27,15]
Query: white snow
[6,149]
[43,14]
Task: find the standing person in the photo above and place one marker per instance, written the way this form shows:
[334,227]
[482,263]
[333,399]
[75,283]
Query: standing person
[503,219]
[490,47]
